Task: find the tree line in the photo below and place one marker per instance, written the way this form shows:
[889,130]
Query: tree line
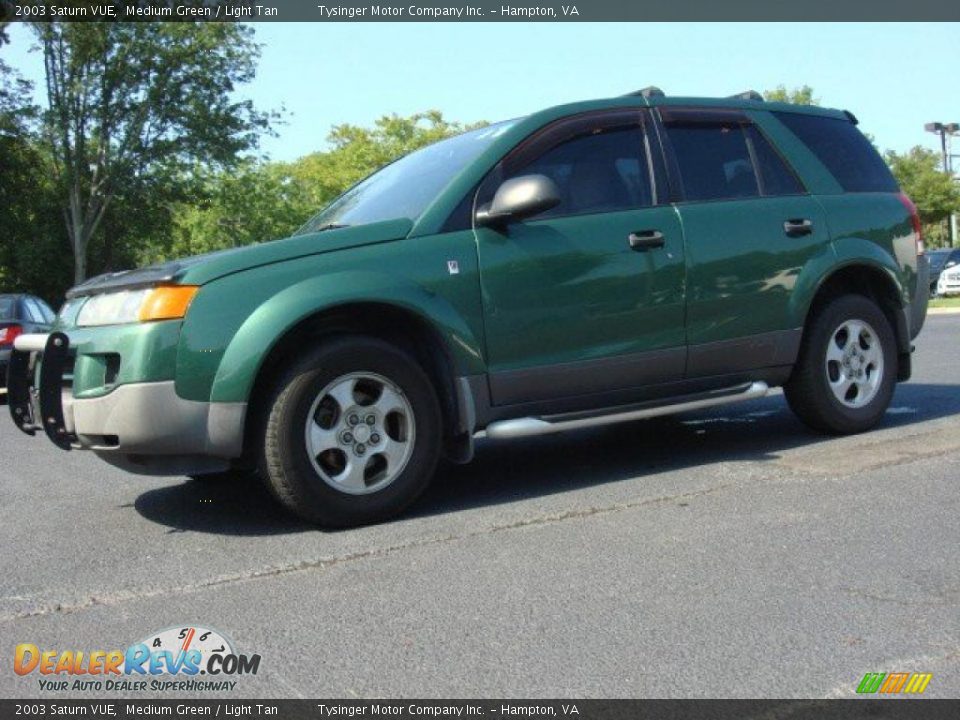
[140,151]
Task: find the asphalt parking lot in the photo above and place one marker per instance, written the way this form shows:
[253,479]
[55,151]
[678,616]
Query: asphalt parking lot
[730,553]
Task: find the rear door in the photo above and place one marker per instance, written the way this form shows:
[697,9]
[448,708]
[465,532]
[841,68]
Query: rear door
[750,227]
[587,297]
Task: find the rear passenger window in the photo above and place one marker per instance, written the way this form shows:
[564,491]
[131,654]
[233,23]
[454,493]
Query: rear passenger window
[714,161]
[844,150]
[728,160]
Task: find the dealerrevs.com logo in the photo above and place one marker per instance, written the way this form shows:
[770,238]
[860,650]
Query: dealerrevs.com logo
[194,659]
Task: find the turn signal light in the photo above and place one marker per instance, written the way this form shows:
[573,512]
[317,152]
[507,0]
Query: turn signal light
[167,302]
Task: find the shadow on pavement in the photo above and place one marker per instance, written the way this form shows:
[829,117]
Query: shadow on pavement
[225,507]
[505,472]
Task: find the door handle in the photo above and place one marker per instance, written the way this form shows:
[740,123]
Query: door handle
[646,240]
[797,227]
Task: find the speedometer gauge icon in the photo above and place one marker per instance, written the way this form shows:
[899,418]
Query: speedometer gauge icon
[181,639]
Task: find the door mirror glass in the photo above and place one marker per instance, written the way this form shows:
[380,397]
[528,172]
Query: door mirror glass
[519,198]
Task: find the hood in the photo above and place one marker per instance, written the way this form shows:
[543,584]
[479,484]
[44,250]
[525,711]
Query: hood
[202,269]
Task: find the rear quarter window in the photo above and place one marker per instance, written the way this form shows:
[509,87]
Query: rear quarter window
[8,308]
[844,150]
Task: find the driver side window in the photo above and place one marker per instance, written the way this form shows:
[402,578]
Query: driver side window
[598,164]
[598,172]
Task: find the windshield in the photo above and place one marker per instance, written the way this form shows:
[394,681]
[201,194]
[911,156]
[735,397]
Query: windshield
[404,189]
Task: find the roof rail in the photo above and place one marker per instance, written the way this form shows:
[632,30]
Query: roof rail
[748,95]
[647,92]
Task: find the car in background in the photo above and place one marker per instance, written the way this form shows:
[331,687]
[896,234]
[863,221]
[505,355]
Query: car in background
[20,315]
[941,260]
[948,283]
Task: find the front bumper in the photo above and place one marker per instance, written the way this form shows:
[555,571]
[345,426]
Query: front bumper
[142,427]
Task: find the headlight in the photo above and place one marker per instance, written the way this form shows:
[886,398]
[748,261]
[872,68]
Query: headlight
[166,302]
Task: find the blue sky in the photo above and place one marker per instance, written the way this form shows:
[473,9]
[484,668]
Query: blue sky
[894,77]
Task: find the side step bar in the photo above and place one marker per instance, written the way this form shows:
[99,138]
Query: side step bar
[525,427]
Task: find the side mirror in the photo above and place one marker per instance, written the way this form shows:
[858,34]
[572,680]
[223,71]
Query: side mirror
[519,198]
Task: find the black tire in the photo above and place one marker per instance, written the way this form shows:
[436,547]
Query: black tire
[809,392]
[285,464]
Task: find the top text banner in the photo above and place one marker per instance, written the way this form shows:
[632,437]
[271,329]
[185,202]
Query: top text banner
[479,11]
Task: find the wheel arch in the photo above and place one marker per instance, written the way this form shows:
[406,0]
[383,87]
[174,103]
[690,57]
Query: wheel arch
[396,324]
[877,281]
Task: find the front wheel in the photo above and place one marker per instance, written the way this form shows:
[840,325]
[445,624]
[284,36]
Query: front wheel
[353,433]
[847,368]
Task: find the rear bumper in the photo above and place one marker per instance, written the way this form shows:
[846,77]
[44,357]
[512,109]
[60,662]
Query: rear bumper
[141,427]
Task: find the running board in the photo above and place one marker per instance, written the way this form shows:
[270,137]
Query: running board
[525,427]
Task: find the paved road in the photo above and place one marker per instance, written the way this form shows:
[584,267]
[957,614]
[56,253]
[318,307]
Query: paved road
[728,553]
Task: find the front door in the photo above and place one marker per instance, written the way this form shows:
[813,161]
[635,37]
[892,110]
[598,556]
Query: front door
[589,296]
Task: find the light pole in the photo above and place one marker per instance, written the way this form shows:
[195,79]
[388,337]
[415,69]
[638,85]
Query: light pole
[946,131]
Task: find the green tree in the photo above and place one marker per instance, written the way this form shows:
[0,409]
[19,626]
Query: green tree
[359,151]
[261,201]
[132,108]
[251,203]
[32,242]
[934,192]
[802,95]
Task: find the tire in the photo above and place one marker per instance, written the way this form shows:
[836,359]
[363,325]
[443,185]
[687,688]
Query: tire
[373,438]
[821,389]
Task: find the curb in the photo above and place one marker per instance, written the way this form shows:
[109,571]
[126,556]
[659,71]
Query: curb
[943,311]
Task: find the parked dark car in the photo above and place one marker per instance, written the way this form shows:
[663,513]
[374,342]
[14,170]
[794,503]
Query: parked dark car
[940,260]
[20,315]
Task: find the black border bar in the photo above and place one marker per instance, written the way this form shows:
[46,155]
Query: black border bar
[894,708]
[495,11]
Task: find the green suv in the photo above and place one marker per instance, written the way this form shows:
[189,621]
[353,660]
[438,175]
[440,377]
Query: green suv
[591,263]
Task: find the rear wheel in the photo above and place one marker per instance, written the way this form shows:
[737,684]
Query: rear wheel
[847,368]
[353,433]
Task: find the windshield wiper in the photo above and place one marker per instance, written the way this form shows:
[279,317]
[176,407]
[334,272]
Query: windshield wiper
[330,226]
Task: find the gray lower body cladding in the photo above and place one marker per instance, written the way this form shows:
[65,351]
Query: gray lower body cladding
[148,428]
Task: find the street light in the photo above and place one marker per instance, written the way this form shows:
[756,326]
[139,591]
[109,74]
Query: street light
[944,130]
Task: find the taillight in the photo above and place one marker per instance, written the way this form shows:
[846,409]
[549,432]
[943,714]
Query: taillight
[915,220]
[9,334]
